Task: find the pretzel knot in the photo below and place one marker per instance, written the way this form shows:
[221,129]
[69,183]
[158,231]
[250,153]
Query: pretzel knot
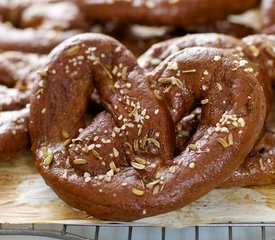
[123,165]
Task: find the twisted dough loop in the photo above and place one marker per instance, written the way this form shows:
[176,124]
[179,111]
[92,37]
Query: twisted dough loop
[92,170]
[258,167]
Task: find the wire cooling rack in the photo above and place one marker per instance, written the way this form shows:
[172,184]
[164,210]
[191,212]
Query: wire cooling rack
[230,231]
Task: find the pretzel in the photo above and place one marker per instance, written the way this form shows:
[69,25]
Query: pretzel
[122,166]
[150,12]
[259,165]
[38,26]
[17,71]
[268,16]
[139,38]
[223,26]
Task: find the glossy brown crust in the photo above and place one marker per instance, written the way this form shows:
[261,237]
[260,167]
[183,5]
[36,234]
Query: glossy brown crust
[268,16]
[18,71]
[82,168]
[182,12]
[258,167]
[38,26]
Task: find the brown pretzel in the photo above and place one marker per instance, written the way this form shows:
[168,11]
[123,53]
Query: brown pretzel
[223,26]
[268,16]
[149,12]
[17,71]
[259,165]
[139,38]
[122,166]
[38,26]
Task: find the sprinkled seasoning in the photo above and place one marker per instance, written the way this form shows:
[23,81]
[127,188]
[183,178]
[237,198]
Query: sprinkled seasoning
[204,87]
[230,139]
[48,159]
[217,58]
[106,70]
[137,165]
[154,141]
[205,72]
[116,153]
[189,71]
[137,192]
[113,166]
[173,80]
[219,86]
[140,160]
[96,154]
[191,165]
[172,66]
[80,161]
[204,101]
[73,51]
[42,73]
[223,142]
[192,147]
[124,73]
[241,122]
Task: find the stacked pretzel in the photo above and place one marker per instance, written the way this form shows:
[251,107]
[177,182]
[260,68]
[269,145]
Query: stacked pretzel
[167,128]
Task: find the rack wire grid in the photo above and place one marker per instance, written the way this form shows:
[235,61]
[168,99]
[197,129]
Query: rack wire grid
[230,231]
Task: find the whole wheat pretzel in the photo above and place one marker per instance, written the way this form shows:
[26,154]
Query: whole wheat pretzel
[259,165]
[123,166]
[268,16]
[164,12]
[17,71]
[38,26]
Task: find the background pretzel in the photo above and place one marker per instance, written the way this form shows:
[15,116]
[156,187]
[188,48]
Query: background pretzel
[181,13]
[17,71]
[38,26]
[259,166]
[122,166]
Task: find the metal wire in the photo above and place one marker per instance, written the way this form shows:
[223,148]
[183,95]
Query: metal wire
[63,233]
